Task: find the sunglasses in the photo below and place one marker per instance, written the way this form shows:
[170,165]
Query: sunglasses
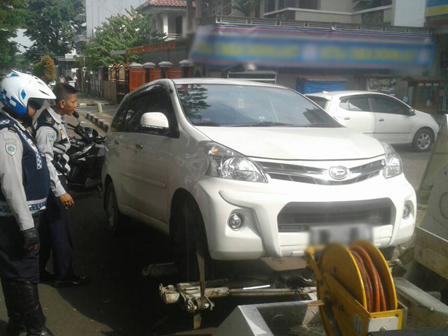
[35,104]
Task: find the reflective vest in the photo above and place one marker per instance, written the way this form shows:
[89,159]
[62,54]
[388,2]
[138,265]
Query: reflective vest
[35,174]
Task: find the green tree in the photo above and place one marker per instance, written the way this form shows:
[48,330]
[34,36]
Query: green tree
[51,27]
[22,64]
[247,7]
[45,69]
[120,33]
[12,17]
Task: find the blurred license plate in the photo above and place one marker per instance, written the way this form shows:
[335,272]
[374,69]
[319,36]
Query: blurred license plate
[346,234]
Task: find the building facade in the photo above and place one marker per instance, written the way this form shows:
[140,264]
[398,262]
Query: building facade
[437,19]
[96,13]
[169,17]
[398,47]
[337,21]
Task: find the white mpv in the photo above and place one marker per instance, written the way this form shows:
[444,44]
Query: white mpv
[249,170]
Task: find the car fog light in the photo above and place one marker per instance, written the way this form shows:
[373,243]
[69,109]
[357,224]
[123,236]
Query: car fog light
[406,211]
[235,221]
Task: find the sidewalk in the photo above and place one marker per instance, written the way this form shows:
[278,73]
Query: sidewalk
[88,107]
[84,100]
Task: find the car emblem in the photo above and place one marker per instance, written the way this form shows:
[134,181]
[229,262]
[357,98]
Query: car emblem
[338,172]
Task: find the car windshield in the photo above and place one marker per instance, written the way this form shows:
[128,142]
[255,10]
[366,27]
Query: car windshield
[249,106]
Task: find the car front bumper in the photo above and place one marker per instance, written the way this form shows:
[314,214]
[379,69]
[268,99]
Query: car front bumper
[259,204]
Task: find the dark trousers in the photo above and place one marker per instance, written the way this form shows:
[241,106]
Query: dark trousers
[55,232]
[16,264]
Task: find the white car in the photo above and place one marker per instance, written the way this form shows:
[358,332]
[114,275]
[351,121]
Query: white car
[382,116]
[249,170]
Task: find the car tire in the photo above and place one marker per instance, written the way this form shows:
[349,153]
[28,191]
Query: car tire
[114,218]
[388,252]
[423,140]
[189,239]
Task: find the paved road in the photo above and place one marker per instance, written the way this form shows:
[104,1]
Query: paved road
[414,164]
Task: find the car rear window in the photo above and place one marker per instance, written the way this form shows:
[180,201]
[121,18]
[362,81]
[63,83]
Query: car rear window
[355,104]
[322,102]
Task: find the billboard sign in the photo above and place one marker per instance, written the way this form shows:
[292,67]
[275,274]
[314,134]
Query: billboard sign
[436,7]
[292,47]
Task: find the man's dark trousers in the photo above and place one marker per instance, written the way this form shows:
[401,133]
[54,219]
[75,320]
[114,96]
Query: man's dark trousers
[16,264]
[55,232]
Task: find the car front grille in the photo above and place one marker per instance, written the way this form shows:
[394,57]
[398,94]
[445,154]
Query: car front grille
[300,216]
[312,175]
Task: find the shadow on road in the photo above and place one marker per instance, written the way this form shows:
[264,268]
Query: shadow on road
[119,296]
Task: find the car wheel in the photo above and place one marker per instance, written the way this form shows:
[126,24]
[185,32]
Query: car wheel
[113,215]
[388,252]
[423,140]
[189,240]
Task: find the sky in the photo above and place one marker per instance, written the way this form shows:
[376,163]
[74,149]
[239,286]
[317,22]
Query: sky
[22,40]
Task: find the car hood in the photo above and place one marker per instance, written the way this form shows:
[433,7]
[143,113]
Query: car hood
[296,143]
[426,120]
[423,115]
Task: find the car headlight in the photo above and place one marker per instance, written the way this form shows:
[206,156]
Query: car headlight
[393,165]
[228,164]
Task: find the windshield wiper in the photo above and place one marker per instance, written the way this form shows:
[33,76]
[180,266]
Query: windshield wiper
[264,124]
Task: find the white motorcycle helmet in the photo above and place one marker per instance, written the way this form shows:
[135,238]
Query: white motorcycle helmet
[18,90]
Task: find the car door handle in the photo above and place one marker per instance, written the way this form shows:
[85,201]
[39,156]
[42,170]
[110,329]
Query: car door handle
[381,120]
[346,118]
[139,146]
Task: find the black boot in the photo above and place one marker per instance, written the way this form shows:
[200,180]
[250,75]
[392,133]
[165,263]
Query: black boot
[15,327]
[27,297]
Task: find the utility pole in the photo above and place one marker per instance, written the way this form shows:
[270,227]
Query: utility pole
[189,16]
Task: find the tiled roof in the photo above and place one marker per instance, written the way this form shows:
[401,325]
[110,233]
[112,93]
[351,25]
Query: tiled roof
[165,3]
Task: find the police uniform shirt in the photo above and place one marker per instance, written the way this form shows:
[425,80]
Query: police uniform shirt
[53,142]
[11,180]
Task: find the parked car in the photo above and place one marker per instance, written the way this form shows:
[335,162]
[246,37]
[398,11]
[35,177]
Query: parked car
[382,116]
[249,170]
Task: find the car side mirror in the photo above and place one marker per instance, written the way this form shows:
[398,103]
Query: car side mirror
[411,112]
[155,121]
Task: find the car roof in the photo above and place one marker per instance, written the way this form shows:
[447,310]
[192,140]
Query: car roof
[330,94]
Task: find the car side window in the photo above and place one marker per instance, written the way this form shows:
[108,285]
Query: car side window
[136,109]
[389,105]
[120,117]
[355,104]
[157,99]
[359,104]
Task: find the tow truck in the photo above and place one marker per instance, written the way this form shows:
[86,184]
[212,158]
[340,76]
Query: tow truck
[355,291]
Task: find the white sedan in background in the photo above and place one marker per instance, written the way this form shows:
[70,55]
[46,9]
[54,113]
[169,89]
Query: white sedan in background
[384,117]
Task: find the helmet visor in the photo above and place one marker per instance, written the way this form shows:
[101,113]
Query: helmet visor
[36,103]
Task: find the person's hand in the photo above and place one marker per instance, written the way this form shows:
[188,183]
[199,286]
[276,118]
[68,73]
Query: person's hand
[67,201]
[30,239]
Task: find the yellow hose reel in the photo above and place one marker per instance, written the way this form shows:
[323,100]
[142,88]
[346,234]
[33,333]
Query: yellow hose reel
[356,288]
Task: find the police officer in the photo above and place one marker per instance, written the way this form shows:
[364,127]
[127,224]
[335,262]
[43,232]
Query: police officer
[24,182]
[55,227]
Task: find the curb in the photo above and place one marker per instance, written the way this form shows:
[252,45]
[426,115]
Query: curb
[94,104]
[98,122]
